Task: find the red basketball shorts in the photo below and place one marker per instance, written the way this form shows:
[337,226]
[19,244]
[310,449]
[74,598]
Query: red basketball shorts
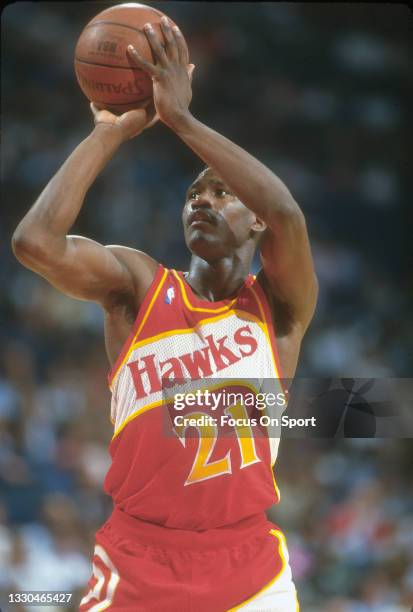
[142,567]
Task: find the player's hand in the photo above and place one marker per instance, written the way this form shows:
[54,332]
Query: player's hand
[171,75]
[129,124]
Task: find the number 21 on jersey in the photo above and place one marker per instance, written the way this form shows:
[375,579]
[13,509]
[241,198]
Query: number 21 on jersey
[203,468]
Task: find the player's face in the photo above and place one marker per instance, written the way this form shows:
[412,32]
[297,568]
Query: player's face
[215,221]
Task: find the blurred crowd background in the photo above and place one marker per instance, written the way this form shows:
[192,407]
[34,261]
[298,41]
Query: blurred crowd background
[319,92]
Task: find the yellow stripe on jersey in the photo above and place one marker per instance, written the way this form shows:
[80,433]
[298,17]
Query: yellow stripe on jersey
[224,383]
[266,331]
[136,414]
[277,490]
[148,310]
[194,308]
[190,330]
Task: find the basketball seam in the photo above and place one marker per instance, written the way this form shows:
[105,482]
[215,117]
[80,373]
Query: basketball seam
[122,25]
[81,61]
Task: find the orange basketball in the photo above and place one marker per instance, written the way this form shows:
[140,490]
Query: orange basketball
[103,69]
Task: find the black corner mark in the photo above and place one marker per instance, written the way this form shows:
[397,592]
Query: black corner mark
[341,408]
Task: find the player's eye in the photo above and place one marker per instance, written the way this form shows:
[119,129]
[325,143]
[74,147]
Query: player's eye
[221,193]
[193,195]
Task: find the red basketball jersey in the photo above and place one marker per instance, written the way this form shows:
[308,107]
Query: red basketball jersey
[180,476]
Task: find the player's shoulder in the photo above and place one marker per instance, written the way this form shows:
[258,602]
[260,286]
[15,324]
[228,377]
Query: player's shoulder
[141,267]
[133,258]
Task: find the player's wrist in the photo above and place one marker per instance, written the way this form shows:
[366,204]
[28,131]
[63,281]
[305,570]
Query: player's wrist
[109,135]
[179,121]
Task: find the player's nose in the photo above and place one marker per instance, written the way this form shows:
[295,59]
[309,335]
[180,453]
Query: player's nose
[202,200]
[203,206]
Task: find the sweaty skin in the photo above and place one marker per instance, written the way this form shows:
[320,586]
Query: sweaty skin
[234,204]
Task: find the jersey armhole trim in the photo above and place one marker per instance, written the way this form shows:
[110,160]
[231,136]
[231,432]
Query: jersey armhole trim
[266,313]
[140,320]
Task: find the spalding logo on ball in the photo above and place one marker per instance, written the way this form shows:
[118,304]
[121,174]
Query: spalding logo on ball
[103,69]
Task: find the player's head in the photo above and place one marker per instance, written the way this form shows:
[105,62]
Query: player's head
[216,222]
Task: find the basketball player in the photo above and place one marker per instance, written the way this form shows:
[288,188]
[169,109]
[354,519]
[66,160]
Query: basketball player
[189,530]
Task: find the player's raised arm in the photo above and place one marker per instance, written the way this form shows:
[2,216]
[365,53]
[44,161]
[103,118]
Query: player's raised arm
[78,266]
[285,249]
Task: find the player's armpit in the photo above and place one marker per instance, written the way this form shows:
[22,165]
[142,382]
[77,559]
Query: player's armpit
[141,267]
[288,266]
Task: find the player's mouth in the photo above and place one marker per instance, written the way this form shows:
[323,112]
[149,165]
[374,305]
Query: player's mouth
[198,217]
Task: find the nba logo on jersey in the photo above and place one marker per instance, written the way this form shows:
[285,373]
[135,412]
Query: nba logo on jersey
[170,294]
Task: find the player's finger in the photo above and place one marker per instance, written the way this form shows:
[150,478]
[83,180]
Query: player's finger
[170,41]
[181,45]
[93,109]
[154,120]
[155,44]
[140,62]
[97,112]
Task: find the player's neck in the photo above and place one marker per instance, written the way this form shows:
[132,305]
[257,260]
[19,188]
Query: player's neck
[216,280]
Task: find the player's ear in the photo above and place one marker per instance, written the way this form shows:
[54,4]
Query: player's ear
[259,225]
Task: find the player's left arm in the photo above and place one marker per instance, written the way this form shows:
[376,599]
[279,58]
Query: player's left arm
[285,249]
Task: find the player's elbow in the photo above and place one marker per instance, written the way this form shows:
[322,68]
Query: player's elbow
[28,247]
